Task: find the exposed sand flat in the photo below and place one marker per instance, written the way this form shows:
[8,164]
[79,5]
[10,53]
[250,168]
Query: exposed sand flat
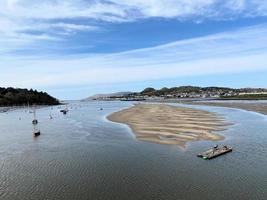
[245,105]
[167,124]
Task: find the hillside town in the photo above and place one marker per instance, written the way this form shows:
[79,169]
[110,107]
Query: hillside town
[186,92]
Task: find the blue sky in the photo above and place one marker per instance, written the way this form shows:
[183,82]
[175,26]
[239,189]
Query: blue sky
[76,48]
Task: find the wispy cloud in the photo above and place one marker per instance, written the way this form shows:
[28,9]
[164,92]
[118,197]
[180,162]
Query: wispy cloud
[26,21]
[229,52]
[26,24]
[130,9]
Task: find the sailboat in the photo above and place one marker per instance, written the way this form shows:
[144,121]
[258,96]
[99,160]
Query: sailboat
[64,111]
[36,132]
[34,121]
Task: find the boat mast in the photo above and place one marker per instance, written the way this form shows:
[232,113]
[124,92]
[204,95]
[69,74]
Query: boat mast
[34,114]
[34,121]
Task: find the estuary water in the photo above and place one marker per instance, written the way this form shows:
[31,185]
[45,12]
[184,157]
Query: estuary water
[84,156]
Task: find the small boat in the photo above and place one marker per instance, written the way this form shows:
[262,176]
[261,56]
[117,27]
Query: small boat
[64,111]
[101,107]
[34,121]
[36,133]
[4,110]
[215,152]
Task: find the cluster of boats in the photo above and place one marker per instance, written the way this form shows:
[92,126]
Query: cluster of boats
[37,132]
[207,155]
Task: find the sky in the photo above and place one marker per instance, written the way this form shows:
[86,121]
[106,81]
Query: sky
[76,48]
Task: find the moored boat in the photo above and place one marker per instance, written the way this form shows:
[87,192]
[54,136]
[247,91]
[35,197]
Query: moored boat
[36,133]
[64,111]
[34,121]
[215,152]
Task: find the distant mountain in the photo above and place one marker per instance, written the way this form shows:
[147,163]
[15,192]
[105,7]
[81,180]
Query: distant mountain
[17,97]
[103,96]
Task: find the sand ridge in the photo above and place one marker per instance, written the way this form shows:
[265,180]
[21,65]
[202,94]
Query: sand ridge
[167,124]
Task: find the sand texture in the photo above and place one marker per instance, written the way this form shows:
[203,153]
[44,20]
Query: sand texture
[167,124]
[246,105]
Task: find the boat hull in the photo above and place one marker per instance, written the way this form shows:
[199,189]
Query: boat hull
[36,134]
[215,152]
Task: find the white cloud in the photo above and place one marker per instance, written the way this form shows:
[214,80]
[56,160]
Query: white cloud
[73,27]
[49,19]
[29,23]
[167,8]
[242,50]
[128,10]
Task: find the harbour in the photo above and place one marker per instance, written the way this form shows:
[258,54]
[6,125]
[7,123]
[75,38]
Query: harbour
[78,150]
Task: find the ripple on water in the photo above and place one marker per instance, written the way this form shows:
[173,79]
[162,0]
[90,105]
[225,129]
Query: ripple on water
[111,165]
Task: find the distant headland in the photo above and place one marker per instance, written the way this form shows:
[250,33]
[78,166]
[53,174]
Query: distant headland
[19,97]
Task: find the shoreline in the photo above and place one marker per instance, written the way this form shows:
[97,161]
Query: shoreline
[6,109]
[248,106]
[166,124]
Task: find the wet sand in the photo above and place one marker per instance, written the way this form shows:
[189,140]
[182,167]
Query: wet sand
[167,124]
[249,106]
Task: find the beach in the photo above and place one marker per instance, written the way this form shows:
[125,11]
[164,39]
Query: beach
[255,106]
[166,124]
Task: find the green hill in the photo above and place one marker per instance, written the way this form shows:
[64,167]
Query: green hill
[183,89]
[17,97]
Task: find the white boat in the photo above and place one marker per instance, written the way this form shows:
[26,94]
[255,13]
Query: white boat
[64,111]
[34,121]
[36,132]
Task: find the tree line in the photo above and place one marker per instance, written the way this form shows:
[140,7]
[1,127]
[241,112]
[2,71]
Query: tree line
[183,89]
[18,97]
[198,90]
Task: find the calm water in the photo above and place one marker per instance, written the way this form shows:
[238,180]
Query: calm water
[84,156]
